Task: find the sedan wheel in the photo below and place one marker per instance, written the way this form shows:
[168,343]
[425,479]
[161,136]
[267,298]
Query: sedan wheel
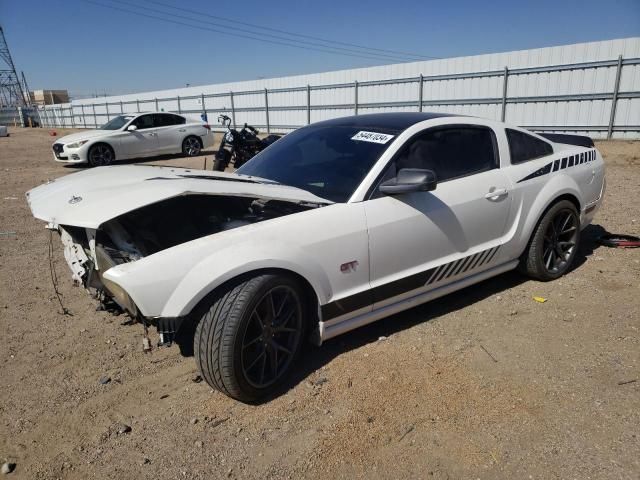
[191,146]
[100,155]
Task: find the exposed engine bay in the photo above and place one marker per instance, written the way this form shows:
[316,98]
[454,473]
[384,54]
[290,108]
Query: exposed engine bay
[157,227]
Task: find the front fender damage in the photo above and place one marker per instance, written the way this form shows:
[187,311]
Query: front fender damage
[98,258]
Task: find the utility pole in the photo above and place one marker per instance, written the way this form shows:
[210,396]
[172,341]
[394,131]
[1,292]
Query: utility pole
[10,86]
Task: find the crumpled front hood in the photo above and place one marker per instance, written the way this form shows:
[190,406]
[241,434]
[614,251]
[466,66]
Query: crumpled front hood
[74,137]
[90,198]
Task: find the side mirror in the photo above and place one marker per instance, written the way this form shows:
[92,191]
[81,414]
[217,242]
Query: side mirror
[132,128]
[410,180]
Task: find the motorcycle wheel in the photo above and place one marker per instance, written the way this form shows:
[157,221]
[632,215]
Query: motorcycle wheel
[221,162]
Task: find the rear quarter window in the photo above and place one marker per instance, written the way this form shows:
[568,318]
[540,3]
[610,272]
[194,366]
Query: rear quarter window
[524,147]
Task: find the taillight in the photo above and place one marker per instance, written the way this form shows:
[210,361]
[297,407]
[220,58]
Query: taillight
[207,126]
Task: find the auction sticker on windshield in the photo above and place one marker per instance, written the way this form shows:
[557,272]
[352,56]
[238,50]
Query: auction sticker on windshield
[372,137]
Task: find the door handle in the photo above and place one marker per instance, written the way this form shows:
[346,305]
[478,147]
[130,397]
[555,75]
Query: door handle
[496,193]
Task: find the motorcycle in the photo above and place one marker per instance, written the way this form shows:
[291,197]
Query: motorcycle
[239,146]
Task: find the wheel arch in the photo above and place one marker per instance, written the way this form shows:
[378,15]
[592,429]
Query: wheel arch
[192,317]
[541,207]
[309,291]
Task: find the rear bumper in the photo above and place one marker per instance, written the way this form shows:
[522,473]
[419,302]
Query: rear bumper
[208,139]
[591,209]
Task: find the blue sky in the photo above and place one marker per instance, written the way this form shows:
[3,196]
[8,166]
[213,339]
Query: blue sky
[87,48]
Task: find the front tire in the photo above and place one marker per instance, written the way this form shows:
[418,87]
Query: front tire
[191,146]
[554,243]
[250,334]
[100,155]
[222,159]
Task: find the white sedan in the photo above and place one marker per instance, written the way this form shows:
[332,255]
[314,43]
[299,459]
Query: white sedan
[134,136]
[334,226]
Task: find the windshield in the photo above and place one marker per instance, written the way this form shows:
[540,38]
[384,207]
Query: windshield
[117,123]
[324,160]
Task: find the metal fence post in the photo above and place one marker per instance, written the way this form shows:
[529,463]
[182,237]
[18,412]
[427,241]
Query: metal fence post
[233,110]
[503,115]
[84,120]
[137,105]
[308,104]
[95,118]
[121,109]
[204,109]
[157,109]
[73,116]
[266,109]
[179,106]
[614,98]
[355,97]
[420,92]
[106,107]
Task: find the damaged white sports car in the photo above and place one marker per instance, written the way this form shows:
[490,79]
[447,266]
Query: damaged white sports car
[334,226]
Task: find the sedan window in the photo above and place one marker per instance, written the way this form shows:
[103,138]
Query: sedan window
[168,119]
[117,123]
[144,121]
[451,152]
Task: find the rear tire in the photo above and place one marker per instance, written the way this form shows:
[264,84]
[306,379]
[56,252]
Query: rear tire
[554,243]
[191,146]
[250,334]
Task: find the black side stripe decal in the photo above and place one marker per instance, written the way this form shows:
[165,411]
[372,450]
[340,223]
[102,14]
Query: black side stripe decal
[566,162]
[412,282]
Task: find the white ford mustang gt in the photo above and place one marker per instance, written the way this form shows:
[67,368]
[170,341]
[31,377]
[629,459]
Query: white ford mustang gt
[334,226]
[134,136]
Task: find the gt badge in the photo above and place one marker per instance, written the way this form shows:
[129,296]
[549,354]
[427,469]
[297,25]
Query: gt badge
[349,266]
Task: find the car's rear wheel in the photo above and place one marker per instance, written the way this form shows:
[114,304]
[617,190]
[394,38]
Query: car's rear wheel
[554,243]
[250,334]
[191,146]
[100,155]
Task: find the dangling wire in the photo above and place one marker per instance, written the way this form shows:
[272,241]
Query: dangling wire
[54,277]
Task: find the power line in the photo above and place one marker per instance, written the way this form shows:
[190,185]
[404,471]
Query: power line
[260,36]
[230,20]
[278,37]
[326,49]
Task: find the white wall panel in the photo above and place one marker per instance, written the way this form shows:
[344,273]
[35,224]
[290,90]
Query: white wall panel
[587,112]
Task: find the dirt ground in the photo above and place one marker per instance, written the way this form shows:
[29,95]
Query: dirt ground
[484,383]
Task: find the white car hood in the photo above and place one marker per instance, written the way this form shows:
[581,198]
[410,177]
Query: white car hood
[90,198]
[86,135]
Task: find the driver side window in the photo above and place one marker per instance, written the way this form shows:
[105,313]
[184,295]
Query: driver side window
[143,122]
[451,152]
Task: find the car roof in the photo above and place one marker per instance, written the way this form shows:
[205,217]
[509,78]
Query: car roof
[390,121]
[137,114]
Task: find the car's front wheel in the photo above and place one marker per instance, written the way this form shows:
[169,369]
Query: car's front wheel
[191,146]
[554,243]
[100,155]
[250,334]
